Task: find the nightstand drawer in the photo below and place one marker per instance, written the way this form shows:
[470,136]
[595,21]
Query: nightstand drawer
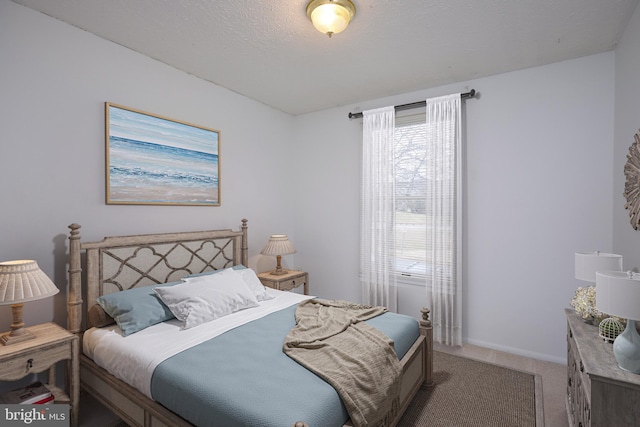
[14,368]
[287,285]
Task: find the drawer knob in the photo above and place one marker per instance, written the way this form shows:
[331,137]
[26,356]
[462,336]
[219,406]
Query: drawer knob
[29,364]
[581,367]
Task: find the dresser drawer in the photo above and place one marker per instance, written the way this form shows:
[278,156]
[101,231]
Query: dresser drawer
[20,365]
[578,386]
[581,377]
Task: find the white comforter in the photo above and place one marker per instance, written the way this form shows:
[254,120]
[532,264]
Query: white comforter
[134,358]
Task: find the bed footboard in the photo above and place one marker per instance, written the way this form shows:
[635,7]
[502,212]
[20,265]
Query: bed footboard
[417,369]
[123,400]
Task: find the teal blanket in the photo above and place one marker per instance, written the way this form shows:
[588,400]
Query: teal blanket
[242,377]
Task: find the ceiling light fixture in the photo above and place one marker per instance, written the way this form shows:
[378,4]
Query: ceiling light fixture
[331,16]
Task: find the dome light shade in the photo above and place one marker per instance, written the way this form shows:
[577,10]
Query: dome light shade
[331,16]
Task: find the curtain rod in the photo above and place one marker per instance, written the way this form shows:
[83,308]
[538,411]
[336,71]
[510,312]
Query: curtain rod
[467,95]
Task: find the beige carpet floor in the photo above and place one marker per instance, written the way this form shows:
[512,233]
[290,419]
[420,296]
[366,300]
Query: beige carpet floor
[469,392]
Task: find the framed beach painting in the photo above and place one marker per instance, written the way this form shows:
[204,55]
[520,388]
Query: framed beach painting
[153,160]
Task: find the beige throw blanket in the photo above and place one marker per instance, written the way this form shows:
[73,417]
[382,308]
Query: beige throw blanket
[331,339]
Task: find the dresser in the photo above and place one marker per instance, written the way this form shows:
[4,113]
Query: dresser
[599,393]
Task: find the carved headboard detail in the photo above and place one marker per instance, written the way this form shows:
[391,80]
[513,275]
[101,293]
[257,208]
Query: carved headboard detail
[120,263]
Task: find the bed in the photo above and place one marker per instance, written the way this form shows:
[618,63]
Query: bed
[125,263]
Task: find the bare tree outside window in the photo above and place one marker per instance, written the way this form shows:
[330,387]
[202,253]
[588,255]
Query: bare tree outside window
[411,186]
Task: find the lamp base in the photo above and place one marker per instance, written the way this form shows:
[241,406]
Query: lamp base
[626,348]
[12,338]
[18,332]
[278,271]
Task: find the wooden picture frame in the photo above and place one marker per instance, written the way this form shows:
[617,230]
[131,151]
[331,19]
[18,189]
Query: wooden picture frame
[154,160]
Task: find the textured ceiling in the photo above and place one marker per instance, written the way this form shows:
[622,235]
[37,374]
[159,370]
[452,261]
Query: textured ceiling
[269,51]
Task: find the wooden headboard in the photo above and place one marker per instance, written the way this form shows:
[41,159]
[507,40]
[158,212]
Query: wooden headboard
[119,263]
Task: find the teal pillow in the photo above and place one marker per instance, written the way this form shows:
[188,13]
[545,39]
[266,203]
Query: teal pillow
[136,309]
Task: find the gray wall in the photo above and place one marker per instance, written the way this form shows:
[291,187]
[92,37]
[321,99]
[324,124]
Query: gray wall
[540,179]
[538,188]
[627,122]
[54,81]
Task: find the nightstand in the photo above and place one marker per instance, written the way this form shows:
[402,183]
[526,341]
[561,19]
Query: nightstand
[51,345]
[285,282]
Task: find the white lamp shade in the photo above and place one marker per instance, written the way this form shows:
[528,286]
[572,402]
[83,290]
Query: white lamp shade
[618,294]
[23,281]
[588,263]
[278,244]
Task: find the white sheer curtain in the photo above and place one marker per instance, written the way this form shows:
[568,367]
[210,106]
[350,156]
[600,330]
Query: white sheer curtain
[444,217]
[377,209]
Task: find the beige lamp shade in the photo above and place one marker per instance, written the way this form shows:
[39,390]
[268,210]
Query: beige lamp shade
[22,281]
[588,263]
[277,246]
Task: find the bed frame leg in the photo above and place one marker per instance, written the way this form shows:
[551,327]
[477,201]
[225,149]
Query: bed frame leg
[427,330]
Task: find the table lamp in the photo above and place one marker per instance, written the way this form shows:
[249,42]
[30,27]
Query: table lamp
[618,294]
[278,245]
[587,263]
[22,281]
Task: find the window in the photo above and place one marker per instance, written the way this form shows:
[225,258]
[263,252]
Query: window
[410,167]
[413,250]
[411,209]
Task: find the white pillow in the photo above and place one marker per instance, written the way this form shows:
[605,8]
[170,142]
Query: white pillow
[202,299]
[251,280]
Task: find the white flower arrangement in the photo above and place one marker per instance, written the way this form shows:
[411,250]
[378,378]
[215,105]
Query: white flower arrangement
[584,303]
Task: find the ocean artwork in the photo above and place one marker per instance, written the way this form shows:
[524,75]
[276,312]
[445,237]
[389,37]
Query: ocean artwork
[154,160]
